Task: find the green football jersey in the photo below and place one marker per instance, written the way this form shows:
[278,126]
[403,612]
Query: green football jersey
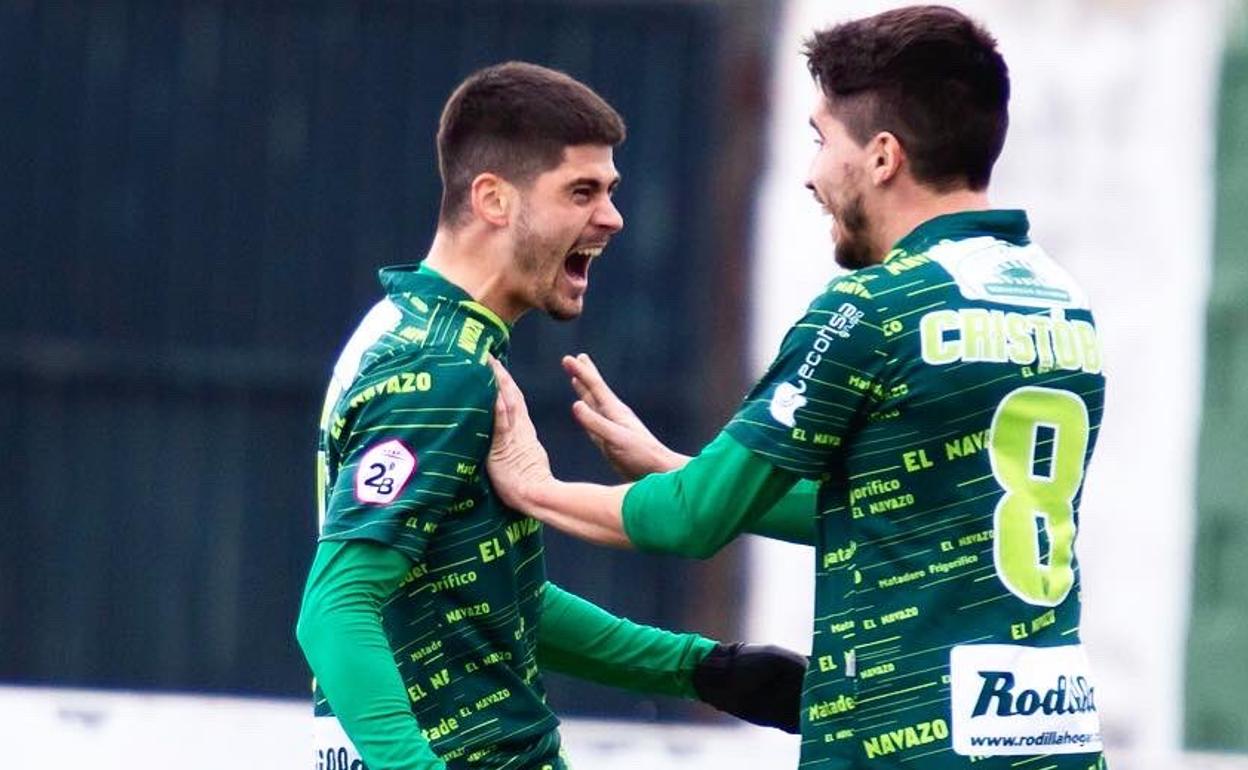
[948,399]
[406,425]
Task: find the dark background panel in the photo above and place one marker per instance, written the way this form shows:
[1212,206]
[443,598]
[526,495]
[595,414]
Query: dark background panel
[195,198]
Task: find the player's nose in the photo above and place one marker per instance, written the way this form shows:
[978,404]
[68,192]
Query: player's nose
[608,217]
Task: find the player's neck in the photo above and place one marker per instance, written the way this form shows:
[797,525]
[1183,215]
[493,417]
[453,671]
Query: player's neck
[477,266]
[921,204]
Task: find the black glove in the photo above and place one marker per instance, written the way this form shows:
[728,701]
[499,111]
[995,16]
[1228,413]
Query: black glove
[758,683]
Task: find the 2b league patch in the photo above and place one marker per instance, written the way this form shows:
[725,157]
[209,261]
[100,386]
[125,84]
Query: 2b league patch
[383,471]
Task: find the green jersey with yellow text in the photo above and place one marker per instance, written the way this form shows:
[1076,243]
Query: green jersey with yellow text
[406,425]
[948,399]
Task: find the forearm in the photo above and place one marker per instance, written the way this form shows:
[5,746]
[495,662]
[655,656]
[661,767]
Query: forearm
[341,635]
[578,638]
[698,509]
[586,511]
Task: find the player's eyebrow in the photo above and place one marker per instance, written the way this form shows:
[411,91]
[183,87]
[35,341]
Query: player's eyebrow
[814,125]
[594,183]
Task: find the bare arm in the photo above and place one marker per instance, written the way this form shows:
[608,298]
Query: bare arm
[634,451]
[520,471]
[693,510]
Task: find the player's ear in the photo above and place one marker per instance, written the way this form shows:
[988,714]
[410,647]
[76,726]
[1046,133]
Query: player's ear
[493,199]
[885,157]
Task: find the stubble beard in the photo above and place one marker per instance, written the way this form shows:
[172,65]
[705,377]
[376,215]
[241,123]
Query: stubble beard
[853,249]
[532,253]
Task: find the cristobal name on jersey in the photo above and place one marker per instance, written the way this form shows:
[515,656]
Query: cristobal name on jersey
[1047,340]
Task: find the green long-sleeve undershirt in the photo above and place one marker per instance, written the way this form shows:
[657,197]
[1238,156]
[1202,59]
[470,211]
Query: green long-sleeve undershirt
[580,639]
[341,634]
[725,490]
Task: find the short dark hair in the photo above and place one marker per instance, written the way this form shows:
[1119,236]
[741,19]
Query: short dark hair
[927,74]
[515,119]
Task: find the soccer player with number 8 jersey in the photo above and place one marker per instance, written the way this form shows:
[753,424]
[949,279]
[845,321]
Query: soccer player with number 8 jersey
[926,426]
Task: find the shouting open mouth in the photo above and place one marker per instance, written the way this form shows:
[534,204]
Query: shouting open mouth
[576,264]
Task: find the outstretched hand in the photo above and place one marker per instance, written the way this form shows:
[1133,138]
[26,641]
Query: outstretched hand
[614,428]
[518,462]
[758,683]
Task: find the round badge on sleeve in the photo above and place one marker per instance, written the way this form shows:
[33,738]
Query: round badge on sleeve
[383,471]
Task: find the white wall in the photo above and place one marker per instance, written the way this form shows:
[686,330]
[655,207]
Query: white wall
[67,729]
[1110,150]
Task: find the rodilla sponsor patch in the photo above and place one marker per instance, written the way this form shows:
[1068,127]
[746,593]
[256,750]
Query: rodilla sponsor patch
[1016,700]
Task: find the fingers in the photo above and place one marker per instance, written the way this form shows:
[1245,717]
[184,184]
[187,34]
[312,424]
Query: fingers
[581,368]
[582,392]
[599,428]
[505,381]
[510,399]
[502,411]
[590,386]
[574,367]
[507,386]
[502,420]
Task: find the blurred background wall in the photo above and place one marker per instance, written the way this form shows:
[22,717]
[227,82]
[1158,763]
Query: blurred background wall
[195,197]
[1217,715]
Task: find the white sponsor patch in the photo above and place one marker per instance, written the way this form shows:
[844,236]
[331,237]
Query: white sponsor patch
[785,402]
[332,748]
[1010,700]
[383,472]
[991,270]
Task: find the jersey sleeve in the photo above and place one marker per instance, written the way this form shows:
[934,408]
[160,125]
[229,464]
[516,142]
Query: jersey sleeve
[412,438]
[699,508]
[830,369]
[580,639]
[340,631]
[792,518]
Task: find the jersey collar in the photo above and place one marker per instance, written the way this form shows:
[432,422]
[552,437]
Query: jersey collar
[1008,225]
[418,278]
